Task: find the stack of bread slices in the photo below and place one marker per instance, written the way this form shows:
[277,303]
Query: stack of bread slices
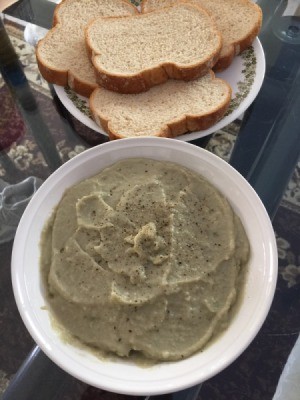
[148,72]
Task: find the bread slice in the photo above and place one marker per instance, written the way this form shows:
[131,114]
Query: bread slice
[168,110]
[62,56]
[132,54]
[239,22]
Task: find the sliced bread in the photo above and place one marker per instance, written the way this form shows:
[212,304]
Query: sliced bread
[168,110]
[239,22]
[62,56]
[132,54]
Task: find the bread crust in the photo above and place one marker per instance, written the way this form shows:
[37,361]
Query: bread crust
[144,80]
[64,77]
[184,124]
[240,45]
[236,47]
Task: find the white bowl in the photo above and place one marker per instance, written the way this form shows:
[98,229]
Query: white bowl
[124,376]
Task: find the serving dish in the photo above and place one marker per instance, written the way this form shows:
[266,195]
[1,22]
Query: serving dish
[245,76]
[121,375]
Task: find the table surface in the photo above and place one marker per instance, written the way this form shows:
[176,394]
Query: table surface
[37,134]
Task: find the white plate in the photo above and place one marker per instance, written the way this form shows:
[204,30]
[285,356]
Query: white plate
[123,376]
[245,76]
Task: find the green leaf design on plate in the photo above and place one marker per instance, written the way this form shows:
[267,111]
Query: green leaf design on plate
[136,3]
[80,104]
[244,86]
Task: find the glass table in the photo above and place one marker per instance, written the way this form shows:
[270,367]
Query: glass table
[38,134]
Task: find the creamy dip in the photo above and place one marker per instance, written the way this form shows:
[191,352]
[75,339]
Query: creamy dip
[145,256]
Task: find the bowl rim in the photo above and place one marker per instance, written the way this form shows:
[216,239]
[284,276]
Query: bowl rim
[134,387]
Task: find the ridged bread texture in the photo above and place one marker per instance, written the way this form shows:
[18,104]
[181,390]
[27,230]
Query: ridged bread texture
[61,55]
[168,110]
[239,22]
[132,54]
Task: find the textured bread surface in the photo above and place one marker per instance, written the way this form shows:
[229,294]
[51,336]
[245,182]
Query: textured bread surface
[239,22]
[62,56]
[132,54]
[168,110]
